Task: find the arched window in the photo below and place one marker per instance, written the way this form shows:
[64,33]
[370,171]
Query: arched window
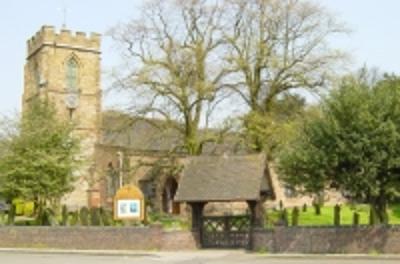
[169,206]
[72,74]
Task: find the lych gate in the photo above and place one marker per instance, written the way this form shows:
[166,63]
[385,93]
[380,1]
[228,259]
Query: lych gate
[228,231]
[225,179]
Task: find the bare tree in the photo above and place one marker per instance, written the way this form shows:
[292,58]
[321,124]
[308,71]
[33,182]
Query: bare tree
[175,68]
[9,129]
[277,46]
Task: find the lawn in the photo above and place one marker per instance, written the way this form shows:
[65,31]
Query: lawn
[309,218]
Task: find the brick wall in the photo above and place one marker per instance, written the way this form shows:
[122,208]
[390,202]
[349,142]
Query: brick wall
[323,240]
[113,238]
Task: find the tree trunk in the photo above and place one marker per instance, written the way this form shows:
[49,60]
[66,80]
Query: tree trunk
[40,206]
[379,205]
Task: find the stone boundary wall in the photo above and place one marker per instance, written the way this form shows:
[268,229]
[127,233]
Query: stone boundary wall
[329,240]
[312,240]
[112,238]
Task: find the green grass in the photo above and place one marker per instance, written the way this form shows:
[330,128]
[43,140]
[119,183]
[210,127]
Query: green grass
[309,218]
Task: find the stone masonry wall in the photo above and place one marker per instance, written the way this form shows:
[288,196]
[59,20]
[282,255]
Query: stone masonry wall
[325,240]
[112,238]
[311,240]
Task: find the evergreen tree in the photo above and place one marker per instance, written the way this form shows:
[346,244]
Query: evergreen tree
[353,145]
[41,158]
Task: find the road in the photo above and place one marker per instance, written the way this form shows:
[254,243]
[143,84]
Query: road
[197,257]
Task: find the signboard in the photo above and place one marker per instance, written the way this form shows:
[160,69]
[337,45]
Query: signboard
[128,208]
[129,204]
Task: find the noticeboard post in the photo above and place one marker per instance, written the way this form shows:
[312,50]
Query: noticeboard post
[129,204]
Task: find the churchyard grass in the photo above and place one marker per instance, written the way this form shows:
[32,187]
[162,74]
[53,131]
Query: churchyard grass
[309,218]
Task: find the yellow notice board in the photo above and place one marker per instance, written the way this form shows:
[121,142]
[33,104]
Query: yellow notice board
[129,204]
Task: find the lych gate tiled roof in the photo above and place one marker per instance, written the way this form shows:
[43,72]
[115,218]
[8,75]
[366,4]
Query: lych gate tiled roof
[223,178]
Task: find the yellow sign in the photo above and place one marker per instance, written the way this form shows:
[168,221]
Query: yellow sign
[129,204]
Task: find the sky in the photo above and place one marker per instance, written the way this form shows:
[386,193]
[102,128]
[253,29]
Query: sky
[374,41]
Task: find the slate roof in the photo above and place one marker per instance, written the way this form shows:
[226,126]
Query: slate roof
[122,130]
[138,134]
[223,178]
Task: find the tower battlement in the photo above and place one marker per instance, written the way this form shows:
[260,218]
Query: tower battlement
[47,35]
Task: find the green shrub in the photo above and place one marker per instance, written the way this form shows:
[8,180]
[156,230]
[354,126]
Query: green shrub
[64,215]
[46,217]
[336,215]
[29,208]
[284,218]
[2,218]
[25,208]
[372,216]
[305,207]
[356,219]
[94,216]
[11,214]
[19,206]
[295,216]
[317,208]
[106,217]
[74,218]
[84,216]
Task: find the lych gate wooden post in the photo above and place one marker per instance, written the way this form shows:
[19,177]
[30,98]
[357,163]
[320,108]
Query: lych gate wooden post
[197,215]
[252,207]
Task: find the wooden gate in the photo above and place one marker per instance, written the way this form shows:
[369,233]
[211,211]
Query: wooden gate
[225,231]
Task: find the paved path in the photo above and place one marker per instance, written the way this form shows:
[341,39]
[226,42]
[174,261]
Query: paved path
[197,257]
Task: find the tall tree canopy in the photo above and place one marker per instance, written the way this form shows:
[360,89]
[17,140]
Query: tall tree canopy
[185,57]
[41,158]
[174,67]
[271,131]
[276,46]
[354,145]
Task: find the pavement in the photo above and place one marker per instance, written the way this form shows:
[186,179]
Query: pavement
[46,256]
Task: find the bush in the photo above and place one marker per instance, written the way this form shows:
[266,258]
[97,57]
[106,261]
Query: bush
[317,208]
[284,218]
[372,216]
[64,215]
[106,217]
[29,208]
[11,214]
[356,219]
[74,218]
[336,215]
[2,218]
[84,216]
[295,216]
[25,208]
[94,216]
[305,207]
[46,217]
[19,206]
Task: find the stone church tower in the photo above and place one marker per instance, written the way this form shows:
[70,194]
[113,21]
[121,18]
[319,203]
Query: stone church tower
[64,67]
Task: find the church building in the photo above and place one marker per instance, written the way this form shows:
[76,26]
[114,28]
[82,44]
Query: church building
[117,149]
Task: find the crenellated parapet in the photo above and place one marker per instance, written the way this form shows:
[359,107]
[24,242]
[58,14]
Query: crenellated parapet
[47,36]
